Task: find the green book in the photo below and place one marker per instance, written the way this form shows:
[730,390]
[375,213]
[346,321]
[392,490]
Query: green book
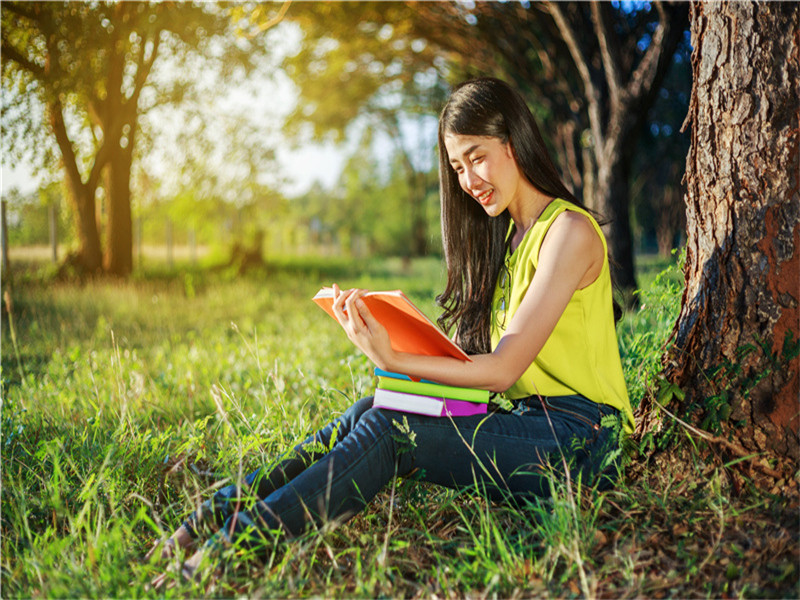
[433,389]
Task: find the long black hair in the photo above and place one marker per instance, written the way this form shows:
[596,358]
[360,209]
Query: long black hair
[474,243]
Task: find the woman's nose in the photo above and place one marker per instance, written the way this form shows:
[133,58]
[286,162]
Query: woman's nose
[471,180]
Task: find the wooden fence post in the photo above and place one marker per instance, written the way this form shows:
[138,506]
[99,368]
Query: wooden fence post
[53,214]
[193,245]
[4,233]
[169,243]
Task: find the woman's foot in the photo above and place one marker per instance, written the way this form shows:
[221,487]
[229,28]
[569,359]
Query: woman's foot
[180,539]
[189,572]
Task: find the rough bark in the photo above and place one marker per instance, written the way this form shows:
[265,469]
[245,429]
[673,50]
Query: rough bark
[735,341]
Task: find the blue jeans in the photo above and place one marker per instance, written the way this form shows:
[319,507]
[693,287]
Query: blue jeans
[505,453]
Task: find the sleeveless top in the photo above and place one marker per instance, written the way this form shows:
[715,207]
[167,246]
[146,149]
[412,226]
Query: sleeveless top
[581,356]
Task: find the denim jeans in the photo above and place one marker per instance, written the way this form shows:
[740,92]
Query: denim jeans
[504,453]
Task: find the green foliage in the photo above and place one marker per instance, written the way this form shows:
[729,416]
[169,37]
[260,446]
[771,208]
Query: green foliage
[643,333]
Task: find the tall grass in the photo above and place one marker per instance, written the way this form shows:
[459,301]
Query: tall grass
[130,401]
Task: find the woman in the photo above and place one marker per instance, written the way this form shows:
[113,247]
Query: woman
[529,297]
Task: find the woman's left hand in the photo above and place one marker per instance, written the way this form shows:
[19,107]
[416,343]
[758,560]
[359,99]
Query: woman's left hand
[361,327]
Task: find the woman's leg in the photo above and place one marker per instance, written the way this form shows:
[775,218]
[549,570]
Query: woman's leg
[212,513]
[506,453]
[513,455]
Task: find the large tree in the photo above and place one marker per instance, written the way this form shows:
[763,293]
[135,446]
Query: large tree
[735,350]
[89,66]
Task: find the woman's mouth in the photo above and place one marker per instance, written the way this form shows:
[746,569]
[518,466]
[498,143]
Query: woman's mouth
[485,197]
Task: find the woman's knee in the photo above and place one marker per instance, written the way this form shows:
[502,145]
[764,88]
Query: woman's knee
[355,412]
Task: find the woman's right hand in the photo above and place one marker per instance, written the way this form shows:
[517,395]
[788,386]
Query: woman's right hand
[362,328]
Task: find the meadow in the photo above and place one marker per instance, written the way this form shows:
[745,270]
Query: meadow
[126,401]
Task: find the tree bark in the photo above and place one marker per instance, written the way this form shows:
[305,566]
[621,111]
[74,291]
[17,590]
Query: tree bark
[118,259]
[736,339]
[613,204]
[89,257]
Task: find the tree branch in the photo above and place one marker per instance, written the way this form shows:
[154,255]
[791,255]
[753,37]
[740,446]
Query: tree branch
[17,9]
[609,48]
[276,19]
[642,79]
[582,64]
[143,70]
[11,53]
[65,145]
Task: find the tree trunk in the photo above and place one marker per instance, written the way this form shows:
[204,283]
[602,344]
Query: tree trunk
[89,257]
[419,218]
[119,228]
[735,351]
[612,200]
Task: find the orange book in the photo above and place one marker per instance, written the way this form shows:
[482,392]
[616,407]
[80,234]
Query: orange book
[409,329]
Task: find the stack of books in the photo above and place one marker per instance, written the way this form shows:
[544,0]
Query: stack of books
[399,392]
[410,330]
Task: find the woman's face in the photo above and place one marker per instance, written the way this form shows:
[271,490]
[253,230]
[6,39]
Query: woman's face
[486,169]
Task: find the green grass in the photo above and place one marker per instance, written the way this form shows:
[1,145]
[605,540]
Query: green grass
[110,432]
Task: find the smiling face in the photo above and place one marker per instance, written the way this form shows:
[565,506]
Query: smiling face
[486,170]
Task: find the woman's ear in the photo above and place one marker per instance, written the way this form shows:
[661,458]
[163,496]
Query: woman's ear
[510,152]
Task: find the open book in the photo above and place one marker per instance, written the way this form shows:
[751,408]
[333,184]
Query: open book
[409,329]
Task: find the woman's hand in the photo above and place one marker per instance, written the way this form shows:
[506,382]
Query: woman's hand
[361,327]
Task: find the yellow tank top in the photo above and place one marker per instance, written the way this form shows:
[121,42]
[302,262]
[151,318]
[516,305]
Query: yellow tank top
[581,356]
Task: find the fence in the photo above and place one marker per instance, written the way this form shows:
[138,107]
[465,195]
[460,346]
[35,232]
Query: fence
[40,234]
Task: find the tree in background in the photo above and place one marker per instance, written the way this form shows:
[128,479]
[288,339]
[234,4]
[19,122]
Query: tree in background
[368,209]
[737,339]
[88,67]
[591,70]
[595,69]
[360,65]
[658,215]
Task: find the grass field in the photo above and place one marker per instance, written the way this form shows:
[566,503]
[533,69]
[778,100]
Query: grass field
[111,431]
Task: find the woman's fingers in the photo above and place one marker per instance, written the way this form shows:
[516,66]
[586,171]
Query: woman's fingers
[352,311]
[345,310]
[363,310]
[339,298]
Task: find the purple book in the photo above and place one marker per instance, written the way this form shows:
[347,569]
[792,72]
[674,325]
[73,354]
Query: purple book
[462,408]
[427,405]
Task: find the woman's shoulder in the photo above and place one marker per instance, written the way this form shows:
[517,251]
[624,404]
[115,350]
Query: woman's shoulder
[570,226]
[577,221]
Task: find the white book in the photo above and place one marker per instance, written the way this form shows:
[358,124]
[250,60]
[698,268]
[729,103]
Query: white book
[422,405]
[427,405]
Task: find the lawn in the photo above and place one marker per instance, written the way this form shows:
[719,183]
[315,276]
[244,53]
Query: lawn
[124,402]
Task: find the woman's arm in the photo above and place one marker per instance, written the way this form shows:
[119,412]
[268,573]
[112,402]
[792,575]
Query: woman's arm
[570,258]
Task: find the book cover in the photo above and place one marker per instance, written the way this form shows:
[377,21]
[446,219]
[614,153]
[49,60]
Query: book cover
[409,329]
[381,373]
[433,389]
[426,405]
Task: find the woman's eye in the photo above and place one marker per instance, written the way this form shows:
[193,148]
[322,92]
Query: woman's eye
[477,159]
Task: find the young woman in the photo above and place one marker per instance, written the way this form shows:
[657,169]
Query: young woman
[529,297]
